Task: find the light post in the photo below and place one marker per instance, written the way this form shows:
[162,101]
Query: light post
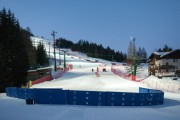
[53,34]
[134,49]
[59,53]
[49,49]
[134,59]
[59,57]
[64,59]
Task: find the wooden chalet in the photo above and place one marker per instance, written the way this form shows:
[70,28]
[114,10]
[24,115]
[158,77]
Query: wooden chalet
[164,63]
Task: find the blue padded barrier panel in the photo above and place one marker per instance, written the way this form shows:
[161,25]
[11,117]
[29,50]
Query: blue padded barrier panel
[42,96]
[30,94]
[8,93]
[147,97]
[24,93]
[14,92]
[114,98]
[76,97]
[154,91]
[51,96]
[153,99]
[123,99]
[161,98]
[21,93]
[87,98]
[157,99]
[11,92]
[59,96]
[134,99]
[143,90]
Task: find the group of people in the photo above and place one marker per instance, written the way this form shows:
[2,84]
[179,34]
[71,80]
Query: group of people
[96,70]
[104,69]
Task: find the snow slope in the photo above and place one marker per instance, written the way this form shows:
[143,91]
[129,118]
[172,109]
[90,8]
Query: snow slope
[82,78]
[16,109]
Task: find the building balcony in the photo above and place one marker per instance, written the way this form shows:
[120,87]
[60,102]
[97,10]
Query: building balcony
[165,67]
[151,62]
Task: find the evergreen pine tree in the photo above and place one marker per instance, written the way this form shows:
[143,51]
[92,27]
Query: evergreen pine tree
[41,55]
[13,54]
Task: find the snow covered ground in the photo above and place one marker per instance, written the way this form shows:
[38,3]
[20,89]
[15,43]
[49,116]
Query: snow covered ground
[81,77]
[16,109]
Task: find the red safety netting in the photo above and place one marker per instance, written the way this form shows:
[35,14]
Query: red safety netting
[43,79]
[56,75]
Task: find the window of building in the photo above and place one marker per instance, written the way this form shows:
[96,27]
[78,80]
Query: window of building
[175,60]
[176,67]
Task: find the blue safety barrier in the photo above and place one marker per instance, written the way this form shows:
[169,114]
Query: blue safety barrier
[123,99]
[143,90]
[146,90]
[12,92]
[21,93]
[24,93]
[51,96]
[87,98]
[145,97]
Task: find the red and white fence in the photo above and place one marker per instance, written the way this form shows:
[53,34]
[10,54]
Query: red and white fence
[40,80]
[158,84]
[55,75]
[120,74]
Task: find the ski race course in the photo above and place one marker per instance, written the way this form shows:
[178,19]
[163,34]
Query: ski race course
[82,78]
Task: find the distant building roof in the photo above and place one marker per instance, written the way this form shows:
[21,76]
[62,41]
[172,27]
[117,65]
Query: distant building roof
[165,54]
[161,53]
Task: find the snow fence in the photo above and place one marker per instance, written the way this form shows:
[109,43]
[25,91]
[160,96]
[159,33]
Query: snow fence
[127,76]
[53,75]
[145,97]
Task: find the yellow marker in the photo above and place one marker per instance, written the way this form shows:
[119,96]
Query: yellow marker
[30,83]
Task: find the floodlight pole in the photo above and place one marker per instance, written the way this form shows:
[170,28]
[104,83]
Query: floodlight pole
[64,60]
[49,49]
[134,54]
[53,34]
[134,60]
[59,56]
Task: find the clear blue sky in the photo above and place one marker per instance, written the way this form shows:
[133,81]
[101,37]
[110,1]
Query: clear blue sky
[111,23]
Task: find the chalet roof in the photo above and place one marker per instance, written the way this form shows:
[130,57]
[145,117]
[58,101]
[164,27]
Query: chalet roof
[160,54]
[164,54]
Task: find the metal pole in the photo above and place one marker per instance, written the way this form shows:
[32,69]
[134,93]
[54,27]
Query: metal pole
[53,34]
[49,49]
[134,52]
[59,52]
[64,60]
[59,57]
